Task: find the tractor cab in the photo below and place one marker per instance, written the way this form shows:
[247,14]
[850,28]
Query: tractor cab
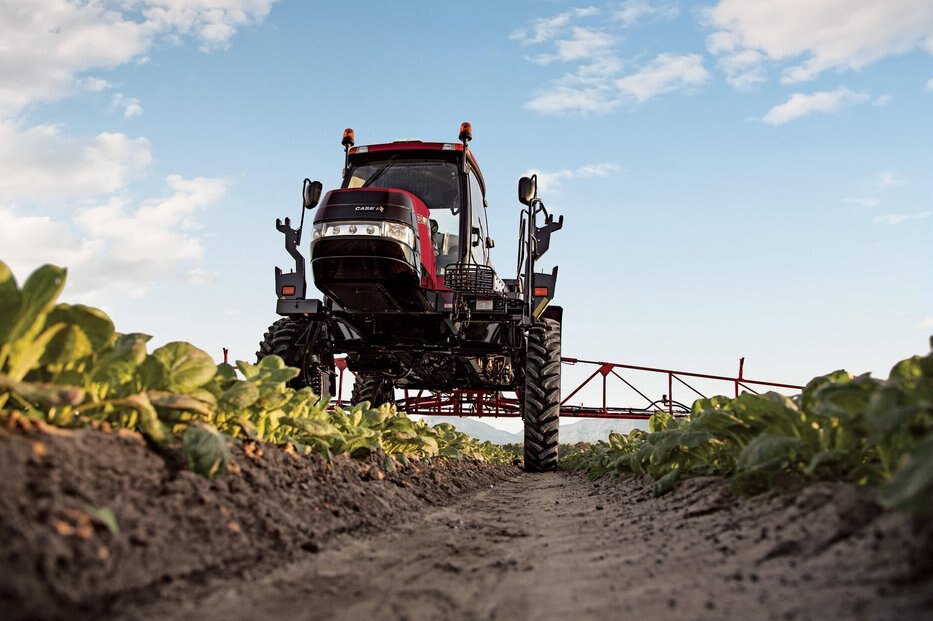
[429,173]
[407,216]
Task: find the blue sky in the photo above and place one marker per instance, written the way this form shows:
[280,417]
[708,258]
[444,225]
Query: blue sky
[739,178]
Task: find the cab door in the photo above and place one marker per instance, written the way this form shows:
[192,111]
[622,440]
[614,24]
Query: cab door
[479,249]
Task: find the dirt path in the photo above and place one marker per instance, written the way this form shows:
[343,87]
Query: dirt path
[558,546]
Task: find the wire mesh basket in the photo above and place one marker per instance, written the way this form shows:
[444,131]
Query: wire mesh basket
[469,278]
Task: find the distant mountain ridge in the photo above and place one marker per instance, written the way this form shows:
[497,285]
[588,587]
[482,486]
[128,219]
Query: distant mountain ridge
[586,430]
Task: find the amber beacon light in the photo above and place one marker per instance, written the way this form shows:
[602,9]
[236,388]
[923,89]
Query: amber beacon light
[466,132]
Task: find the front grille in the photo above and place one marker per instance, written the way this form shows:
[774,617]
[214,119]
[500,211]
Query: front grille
[469,278]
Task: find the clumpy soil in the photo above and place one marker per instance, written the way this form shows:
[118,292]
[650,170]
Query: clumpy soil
[60,559]
[289,537]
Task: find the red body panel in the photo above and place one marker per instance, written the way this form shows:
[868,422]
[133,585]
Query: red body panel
[430,279]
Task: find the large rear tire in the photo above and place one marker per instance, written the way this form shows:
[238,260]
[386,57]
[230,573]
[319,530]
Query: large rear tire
[376,390]
[294,341]
[541,398]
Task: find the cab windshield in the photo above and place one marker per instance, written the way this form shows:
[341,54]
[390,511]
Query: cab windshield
[435,182]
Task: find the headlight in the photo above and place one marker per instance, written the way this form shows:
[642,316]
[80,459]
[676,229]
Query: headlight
[372,228]
[400,232]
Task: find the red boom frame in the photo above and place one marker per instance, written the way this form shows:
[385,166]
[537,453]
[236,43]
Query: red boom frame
[488,403]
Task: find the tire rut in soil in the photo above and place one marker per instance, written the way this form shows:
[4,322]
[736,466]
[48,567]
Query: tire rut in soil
[558,546]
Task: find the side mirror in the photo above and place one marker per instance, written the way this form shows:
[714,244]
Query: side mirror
[527,189]
[311,193]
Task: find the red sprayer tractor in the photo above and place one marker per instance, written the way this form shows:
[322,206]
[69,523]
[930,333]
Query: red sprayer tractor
[401,255]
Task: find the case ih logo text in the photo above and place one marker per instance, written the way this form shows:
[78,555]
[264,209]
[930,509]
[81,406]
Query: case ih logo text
[379,208]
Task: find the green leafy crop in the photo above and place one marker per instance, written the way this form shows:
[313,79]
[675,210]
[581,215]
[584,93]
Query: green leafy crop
[67,366]
[841,427]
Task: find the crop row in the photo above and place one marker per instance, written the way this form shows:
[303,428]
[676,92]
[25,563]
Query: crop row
[67,366]
[860,429]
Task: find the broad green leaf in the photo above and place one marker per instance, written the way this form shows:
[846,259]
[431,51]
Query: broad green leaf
[11,300]
[241,395]
[225,372]
[148,417]
[889,410]
[666,483]
[175,401]
[248,370]
[28,350]
[908,372]
[94,322]
[428,445]
[152,374]
[912,486]
[768,452]
[69,344]
[311,427]
[39,293]
[186,366]
[271,363]
[205,396]
[279,376]
[46,394]
[659,420]
[273,400]
[807,398]
[207,450]
[450,452]
[718,402]
[769,409]
[118,366]
[249,429]
[847,400]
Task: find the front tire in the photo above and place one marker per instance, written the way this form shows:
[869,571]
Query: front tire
[541,398]
[295,342]
[376,390]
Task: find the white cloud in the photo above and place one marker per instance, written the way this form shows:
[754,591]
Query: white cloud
[930,84]
[599,170]
[40,164]
[114,245]
[571,99]
[926,324]
[864,201]
[743,69]
[597,89]
[801,104]
[582,44]
[553,181]
[598,83]
[93,85]
[546,28]
[888,179]
[898,218]
[130,105]
[213,22]
[50,50]
[47,46]
[200,277]
[881,101]
[820,34]
[633,12]
[874,187]
[664,74]
[28,241]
